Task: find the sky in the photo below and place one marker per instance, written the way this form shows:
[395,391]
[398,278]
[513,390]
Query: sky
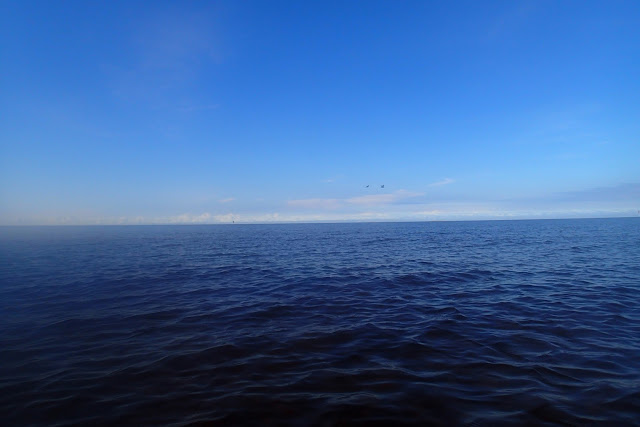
[157,112]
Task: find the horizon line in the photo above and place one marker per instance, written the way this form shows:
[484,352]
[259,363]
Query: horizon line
[346,221]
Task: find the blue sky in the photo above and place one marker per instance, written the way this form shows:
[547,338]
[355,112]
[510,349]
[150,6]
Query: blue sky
[259,111]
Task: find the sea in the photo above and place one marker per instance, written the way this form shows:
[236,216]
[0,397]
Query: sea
[412,323]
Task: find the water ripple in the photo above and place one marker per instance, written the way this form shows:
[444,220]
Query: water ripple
[473,324]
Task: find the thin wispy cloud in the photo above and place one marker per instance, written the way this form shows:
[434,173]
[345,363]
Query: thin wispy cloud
[373,199]
[566,125]
[620,193]
[325,204]
[333,179]
[176,40]
[510,21]
[193,108]
[383,199]
[227,200]
[442,182]
[366,200]
[167,51]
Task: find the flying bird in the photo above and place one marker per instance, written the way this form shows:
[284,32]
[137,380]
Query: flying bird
[366,186]
[382,186]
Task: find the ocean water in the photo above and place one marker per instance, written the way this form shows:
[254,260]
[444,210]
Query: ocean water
[442,323]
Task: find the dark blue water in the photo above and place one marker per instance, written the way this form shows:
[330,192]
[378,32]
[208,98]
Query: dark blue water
[453,323]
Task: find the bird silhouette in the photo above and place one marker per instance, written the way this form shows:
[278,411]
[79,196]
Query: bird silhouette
[382,186]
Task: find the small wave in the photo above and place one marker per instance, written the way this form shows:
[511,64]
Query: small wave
[417,324]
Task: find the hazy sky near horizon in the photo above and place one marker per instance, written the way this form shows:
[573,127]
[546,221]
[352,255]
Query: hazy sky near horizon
[169,112]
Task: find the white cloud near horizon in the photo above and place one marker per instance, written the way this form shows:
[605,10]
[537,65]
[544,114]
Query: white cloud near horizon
[443,213]
[227,200]
[613,201]
[203,218]
[189,218]
[366,200]
[383,199]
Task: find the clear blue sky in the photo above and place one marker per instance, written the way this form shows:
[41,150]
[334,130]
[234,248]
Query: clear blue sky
[162,112]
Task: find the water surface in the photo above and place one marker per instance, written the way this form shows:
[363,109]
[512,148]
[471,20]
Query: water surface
[451,323]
